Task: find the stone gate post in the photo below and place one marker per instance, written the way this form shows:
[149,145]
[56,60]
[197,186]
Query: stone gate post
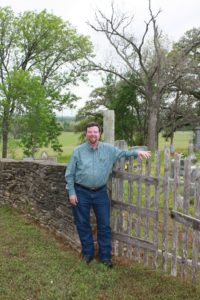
[197,138]
[109,126]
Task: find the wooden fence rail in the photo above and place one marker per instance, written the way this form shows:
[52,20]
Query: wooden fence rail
[150,224]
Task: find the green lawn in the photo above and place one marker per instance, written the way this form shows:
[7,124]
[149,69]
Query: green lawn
[35,266]
[181,140]
[69,140]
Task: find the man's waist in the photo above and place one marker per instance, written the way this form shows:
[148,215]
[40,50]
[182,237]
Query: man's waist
[92,189]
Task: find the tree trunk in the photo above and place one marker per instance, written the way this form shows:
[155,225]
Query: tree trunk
[172,138]
[152,129]
[5,130]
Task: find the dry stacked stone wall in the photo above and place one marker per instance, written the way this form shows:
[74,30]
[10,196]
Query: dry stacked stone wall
[37,188]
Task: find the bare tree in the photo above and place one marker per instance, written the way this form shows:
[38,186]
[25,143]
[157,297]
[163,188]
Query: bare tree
[149,62]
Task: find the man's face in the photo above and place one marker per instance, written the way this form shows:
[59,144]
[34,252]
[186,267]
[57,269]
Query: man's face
[93,135]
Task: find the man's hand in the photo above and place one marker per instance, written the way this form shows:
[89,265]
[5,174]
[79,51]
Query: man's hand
[73,200]
[144,154]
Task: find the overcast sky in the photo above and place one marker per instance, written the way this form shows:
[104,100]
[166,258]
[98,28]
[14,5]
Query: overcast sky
[176,17]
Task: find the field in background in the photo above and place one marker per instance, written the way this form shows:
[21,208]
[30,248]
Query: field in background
[181,141]
[70,140]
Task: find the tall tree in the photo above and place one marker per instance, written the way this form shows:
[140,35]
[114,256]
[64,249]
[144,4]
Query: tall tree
[149,62]
[188,44]
[183,95]
[181,111]
[45,46]
[35,120]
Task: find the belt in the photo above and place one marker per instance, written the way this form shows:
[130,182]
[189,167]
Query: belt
[92,189]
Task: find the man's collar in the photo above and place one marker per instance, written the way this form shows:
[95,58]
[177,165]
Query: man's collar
[90,146]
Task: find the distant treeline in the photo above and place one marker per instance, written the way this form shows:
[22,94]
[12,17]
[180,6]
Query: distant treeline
[67,123]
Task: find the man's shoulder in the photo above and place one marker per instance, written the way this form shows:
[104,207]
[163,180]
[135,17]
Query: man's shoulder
[79,147]
[106,145]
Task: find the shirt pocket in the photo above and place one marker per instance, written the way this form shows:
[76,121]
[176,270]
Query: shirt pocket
[104,162]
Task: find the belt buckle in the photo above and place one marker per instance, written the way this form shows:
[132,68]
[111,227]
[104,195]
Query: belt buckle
[93,189]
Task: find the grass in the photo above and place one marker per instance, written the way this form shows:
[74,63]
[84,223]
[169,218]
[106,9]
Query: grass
[35,266]
[69,141]
[181,141]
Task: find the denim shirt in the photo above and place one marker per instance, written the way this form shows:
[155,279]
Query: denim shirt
[92,167]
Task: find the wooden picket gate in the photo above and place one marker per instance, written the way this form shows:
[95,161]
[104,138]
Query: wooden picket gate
[155,219]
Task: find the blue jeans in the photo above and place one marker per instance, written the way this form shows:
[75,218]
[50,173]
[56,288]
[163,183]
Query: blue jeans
[99,201]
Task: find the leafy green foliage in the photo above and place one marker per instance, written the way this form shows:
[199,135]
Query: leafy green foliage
[47,48]
[36,122]
[183,107]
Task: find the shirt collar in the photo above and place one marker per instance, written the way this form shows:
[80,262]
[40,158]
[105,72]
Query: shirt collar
[90,147]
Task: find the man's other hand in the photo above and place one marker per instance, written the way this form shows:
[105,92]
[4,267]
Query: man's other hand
[144,154]
[73,200]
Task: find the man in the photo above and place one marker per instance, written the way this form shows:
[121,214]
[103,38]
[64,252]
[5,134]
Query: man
[86,176]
